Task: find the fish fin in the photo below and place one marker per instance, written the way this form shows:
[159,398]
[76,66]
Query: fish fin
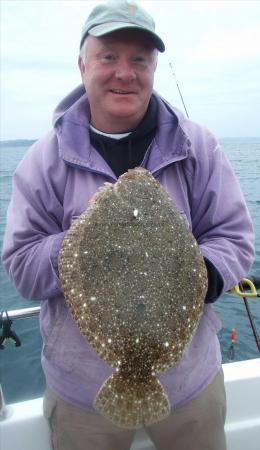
[132,404]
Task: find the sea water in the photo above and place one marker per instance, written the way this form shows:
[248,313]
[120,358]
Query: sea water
[20,370]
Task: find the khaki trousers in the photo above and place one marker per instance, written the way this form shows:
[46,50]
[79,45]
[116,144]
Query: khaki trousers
[198,425]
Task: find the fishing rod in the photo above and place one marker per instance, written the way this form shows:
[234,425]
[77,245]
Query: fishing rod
[252,323]
[245,283]
[247,288]
[174,76]
[256,284]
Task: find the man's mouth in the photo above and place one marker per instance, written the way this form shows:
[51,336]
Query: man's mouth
[121,92]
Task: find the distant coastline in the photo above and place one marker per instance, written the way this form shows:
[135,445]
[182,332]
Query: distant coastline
[17,142]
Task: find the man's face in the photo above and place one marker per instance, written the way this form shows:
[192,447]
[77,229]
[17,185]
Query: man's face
[118,72]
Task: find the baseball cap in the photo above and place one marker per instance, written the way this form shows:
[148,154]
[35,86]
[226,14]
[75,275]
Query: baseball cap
[117,15]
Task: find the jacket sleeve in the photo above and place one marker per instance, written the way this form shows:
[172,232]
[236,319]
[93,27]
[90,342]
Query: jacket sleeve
[33,233]
[220,218]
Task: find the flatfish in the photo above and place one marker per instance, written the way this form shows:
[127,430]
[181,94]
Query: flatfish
[135,281]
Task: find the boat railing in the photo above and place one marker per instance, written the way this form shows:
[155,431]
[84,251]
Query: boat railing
[251,285]
[247,288]
[23,313]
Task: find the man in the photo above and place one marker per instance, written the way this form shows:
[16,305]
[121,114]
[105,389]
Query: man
[117,124]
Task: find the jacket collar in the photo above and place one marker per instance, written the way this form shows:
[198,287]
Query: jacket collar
[71,122]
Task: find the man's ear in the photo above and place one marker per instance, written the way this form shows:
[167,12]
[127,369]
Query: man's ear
[81,65]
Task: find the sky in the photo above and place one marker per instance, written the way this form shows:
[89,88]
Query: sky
[213,46]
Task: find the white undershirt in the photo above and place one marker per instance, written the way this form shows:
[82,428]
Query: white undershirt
[110,135]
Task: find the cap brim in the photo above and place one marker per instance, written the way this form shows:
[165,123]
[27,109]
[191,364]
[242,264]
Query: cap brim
[106,28]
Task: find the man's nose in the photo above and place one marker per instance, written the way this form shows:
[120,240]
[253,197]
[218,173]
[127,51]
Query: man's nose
[125,72]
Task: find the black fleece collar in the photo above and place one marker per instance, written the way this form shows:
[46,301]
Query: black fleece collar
[128,152]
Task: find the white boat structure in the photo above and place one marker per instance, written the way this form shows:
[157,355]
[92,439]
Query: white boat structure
[22,424]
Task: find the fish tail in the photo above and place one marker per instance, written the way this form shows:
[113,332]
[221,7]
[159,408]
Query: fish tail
[132,404]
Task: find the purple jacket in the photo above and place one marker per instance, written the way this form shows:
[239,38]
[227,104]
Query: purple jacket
[52,186]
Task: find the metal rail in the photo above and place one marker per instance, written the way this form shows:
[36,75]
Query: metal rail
[21,313]
[7,317]
[35,311]
[6,320]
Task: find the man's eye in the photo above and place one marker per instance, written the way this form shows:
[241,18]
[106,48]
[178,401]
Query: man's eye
[139,59]
[109,57]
